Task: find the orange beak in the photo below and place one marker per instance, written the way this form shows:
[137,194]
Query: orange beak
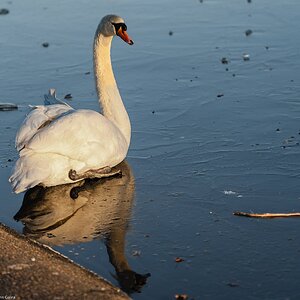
[124,36]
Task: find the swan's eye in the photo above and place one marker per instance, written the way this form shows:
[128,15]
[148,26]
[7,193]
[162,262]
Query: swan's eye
[120,25]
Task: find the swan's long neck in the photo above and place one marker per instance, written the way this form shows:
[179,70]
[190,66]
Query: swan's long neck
[107,89]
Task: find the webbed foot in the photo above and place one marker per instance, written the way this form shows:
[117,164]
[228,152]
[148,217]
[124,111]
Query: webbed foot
[97,173]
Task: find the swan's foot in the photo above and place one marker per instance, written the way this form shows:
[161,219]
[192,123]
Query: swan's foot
[98,173]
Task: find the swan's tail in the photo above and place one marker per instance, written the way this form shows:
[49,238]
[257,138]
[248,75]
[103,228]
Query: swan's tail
[25,176]
[33,168]
[51,98]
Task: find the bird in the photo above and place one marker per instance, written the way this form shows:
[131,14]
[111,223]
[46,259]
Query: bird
[58,144]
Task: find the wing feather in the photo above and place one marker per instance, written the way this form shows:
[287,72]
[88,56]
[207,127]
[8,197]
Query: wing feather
[35,120]
[82,135]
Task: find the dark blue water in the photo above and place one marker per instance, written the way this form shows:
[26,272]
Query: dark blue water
[208,138]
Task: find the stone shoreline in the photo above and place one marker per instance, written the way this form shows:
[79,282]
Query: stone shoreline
[30,270]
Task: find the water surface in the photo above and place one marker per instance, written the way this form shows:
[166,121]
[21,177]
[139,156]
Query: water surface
[208,138]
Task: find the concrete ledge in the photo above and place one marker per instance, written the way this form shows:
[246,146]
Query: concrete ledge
[30,270]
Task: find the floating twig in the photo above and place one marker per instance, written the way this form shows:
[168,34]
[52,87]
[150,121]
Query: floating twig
[266,215]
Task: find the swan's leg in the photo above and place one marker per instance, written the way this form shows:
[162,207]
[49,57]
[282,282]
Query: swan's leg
[97,173]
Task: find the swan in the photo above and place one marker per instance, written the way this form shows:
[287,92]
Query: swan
[58,144]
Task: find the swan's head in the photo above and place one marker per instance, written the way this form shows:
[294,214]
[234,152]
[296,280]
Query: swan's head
[112,25]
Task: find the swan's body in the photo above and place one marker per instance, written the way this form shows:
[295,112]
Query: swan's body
[56,138]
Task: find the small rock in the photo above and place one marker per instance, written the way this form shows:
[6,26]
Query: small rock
[170,32]
[246,57]
[229,192]
[136,253]
[45,45]
[4,11]
[233,284]
[248,32]
[179,259]
[224,61]
[153,111]
[267,47]
[68,96]
[181,297]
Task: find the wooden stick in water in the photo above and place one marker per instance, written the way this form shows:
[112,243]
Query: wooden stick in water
[266,215]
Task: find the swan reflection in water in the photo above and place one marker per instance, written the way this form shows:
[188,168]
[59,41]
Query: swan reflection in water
[80,212]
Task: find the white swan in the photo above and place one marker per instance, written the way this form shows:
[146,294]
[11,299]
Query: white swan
[59,145]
